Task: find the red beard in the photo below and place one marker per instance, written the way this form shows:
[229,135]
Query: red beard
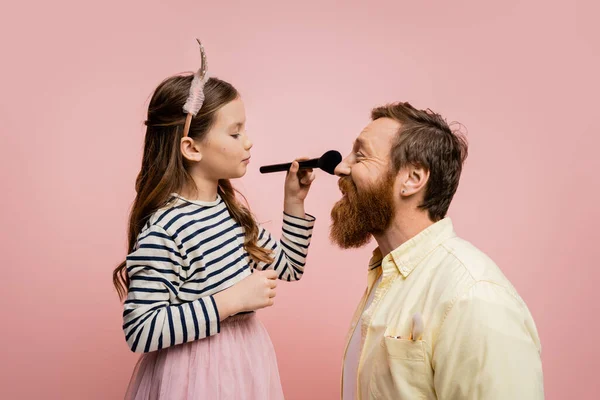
[360,214]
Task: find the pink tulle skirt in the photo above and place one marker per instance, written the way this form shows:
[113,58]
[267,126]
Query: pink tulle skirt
[238,363]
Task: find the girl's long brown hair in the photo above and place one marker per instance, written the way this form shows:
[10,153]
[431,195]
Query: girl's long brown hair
[163,170]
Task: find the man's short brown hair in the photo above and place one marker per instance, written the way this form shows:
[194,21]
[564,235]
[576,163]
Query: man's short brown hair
[425,140]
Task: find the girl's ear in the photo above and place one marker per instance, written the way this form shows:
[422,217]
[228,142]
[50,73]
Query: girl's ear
[191,150]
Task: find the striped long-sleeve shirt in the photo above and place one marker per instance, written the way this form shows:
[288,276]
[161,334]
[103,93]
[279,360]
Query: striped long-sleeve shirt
[185,254]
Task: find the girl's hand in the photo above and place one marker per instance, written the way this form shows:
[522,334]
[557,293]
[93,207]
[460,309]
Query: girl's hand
[251,293]
[297,185]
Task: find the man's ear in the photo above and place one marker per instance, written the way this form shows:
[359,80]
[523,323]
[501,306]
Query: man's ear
[413,179]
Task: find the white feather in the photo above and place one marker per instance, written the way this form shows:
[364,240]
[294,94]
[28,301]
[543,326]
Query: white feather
[196,97]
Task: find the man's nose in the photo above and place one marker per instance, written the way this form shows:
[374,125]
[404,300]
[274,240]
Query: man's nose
[343,168]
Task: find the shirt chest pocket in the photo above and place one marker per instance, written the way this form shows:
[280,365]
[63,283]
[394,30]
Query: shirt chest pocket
[402,371]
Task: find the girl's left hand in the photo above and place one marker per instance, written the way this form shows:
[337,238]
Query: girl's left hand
[297,183]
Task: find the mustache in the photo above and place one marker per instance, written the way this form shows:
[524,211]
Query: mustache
[347,185]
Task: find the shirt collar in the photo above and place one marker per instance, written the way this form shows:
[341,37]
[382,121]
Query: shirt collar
[405,258]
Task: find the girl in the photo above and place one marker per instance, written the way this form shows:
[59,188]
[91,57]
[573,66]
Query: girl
[199,265]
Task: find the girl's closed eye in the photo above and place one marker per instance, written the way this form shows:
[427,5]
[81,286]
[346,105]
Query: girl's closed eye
[237,132]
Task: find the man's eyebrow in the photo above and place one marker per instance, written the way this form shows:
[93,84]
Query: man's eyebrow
[361,143]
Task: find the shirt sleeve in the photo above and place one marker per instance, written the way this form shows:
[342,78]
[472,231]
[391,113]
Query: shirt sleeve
[289,254]
[150,321]
[488,348]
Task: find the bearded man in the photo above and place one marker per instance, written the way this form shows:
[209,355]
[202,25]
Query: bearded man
[438,320]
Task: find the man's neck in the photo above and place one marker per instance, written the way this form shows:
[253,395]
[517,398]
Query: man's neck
[402,229]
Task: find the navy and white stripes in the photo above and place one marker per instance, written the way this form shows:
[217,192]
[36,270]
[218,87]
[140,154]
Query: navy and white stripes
[187,253]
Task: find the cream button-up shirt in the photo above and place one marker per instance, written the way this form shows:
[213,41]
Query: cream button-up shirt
[478,341]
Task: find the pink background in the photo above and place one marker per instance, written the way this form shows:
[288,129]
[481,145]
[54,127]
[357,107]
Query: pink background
[75,81]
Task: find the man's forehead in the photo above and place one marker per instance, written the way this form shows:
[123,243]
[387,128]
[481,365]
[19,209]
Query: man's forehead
[377,133]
